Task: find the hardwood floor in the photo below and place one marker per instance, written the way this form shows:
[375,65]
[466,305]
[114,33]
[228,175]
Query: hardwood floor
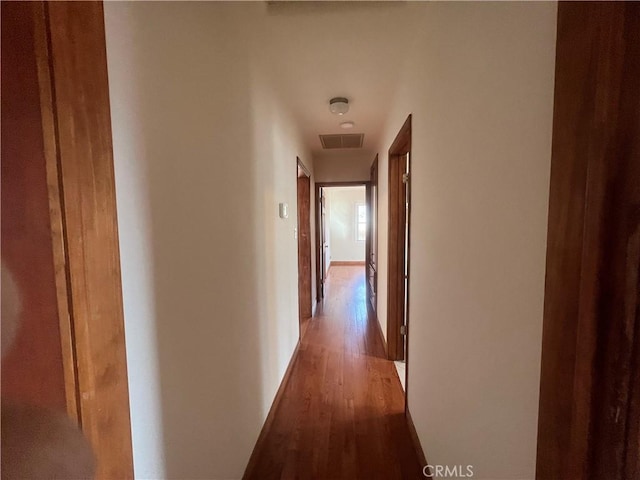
[341,413]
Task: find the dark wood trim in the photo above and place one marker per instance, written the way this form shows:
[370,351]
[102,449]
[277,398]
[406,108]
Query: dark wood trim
[415,440]
[402,143]
[408,306]
[396,243]
[340,263]
[317,219]
[303,198]
[58,234]
[589,408]
[273,411]
[80,100]
[395,260]
[303,167]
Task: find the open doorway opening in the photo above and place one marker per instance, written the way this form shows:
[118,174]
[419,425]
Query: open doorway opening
[343,225]
[346,225]
[304,246]
[399,250]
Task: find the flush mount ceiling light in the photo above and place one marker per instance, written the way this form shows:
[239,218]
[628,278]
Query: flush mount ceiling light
[347,125]
[339,105]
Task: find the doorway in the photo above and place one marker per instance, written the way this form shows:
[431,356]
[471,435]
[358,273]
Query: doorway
[304,245]
[342,239]
[399,249]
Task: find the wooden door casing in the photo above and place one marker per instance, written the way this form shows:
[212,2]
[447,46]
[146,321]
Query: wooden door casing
[589,413]
[304,246]
[77,265]
[372,245]
[396,243]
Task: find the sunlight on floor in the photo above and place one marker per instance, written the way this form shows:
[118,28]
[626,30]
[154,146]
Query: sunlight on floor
[401,368]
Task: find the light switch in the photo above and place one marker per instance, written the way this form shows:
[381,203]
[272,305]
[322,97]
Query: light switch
[283,209]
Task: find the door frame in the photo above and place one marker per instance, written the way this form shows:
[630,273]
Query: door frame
[589,406]
[396,248]
[318,214]
[305,312]
[371,262]
[76,121]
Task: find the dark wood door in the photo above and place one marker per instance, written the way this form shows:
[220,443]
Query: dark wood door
[304,247]
[589,415]
[33,370]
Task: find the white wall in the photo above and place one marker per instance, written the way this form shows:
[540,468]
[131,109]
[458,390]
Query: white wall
[343,166]
[341,202]
[479,83]
[204,152]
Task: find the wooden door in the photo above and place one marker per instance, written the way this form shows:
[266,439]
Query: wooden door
[304,247]
[589,415]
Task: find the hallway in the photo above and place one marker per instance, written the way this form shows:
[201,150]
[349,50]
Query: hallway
[341,414]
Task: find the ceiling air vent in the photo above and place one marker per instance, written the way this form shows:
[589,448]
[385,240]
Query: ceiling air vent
[351,140]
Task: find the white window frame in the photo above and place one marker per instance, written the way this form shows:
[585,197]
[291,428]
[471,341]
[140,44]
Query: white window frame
[357,221]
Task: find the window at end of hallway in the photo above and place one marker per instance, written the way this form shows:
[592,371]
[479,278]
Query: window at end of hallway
[361,222]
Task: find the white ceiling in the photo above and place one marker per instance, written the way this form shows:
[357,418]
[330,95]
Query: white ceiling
[318,50]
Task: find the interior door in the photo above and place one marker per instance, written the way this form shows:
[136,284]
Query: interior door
[34,369]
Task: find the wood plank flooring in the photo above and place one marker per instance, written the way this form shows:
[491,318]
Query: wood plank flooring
[341,413]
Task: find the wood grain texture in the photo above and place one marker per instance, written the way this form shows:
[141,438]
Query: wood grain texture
[81,101]
[395,259]
[396,242]
[33,372]
[56,220]
[588,415]
[341,413]
[305,309]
